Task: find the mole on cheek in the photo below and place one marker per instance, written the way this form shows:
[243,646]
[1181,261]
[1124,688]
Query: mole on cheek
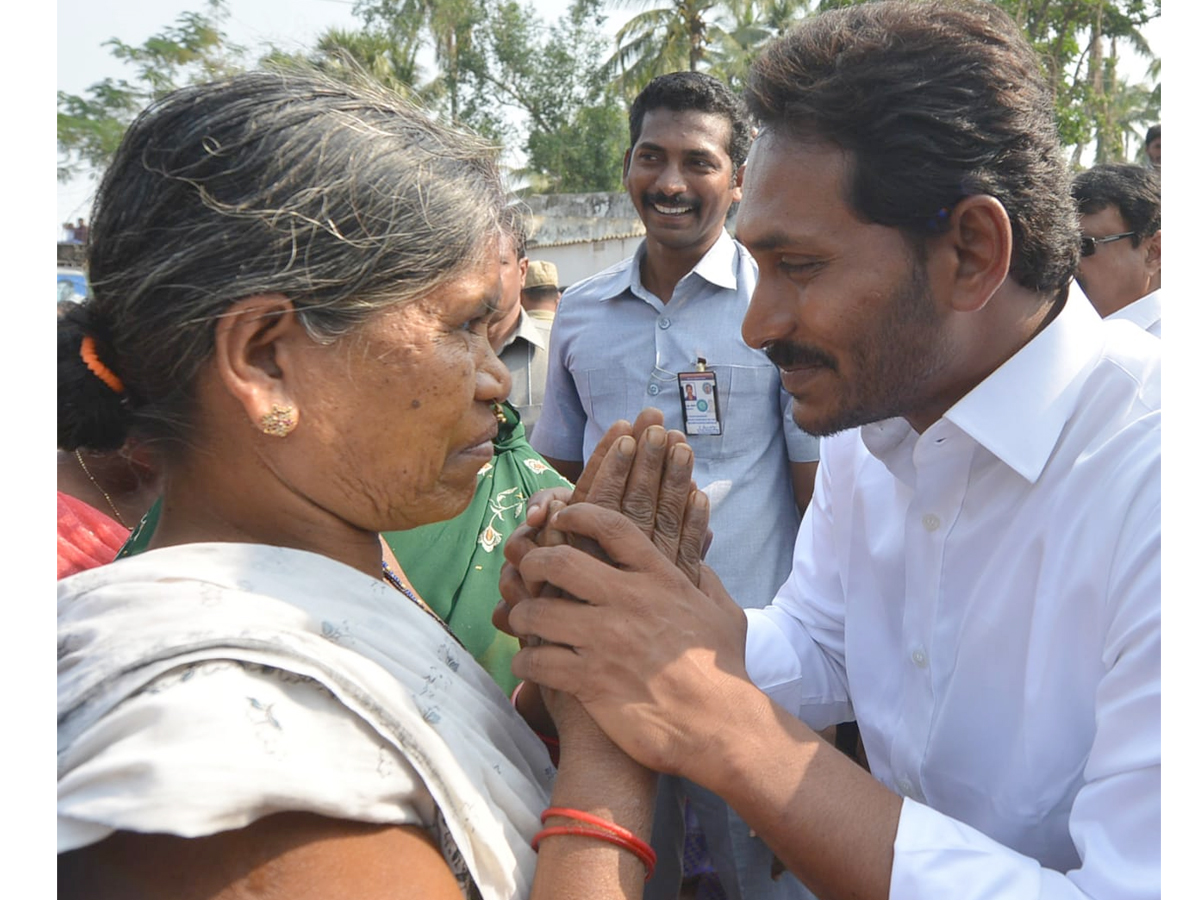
[416,404]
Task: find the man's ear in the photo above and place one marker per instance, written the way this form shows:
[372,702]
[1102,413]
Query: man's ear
[737,182]
[625,169]
[977,251]
[256,352]
[523,266]
[1154,253]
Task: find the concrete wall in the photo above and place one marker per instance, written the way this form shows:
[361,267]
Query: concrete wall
[583,234]
[581,260]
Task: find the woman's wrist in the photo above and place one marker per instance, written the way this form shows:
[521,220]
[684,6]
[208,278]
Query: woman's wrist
[528,702]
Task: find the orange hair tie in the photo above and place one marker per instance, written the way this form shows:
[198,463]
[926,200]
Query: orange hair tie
[87,352]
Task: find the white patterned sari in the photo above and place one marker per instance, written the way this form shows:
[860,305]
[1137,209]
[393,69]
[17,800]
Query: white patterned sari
[204,686]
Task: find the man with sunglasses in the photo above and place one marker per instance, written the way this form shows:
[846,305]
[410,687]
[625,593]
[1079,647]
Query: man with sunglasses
[1120,266]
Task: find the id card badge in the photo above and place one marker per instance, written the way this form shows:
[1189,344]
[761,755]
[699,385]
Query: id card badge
[701,407]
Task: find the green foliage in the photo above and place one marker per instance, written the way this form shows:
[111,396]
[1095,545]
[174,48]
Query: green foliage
[746,26]
[191,50]
[507,76]
[447,27]
[1078,44]
[559,92]
[671,37]
[1078,41]
[577,125]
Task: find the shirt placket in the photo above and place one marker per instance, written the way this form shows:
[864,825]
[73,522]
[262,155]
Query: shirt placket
[667,339]
[942,465]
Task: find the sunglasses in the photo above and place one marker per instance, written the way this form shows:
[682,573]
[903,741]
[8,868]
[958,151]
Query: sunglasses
[1087,245]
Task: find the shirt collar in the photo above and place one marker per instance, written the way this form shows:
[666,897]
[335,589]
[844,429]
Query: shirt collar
[1143,312]
[527,329]
[1019,411]
[718,267]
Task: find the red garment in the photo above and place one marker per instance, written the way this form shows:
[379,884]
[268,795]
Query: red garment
[86,536]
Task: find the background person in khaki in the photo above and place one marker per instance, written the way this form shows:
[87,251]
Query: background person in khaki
[522,341]
[541,293]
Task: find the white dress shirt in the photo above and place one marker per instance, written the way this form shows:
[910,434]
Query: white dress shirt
[1145,313]
[984,599]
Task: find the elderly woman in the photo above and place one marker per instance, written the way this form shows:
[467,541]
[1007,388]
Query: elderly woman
[293,281]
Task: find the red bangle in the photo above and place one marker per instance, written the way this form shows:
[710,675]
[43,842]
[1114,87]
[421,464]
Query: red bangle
[580,815]
[638,848]
[609,831]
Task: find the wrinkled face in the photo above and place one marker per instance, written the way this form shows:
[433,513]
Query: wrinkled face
[1118,272]
[396,416]
[681,179]
[512,279]
[842,306]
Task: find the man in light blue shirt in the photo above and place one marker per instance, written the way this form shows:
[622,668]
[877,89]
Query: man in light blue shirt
[621,341]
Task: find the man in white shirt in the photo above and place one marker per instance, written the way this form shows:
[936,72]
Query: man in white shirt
[977,578]
[1120,268]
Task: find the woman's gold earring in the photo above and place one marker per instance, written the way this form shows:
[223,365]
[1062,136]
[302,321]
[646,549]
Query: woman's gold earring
[280,421]
[498,412]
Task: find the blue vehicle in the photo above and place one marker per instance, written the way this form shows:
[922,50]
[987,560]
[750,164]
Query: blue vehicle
[72,285]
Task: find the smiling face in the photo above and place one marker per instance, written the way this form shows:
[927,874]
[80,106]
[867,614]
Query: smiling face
[395,419]
[842,306]
[1119,272]
[681,179]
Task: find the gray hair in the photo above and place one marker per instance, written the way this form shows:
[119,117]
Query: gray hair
[345,198]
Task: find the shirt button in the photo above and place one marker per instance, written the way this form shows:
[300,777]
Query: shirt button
[664,323]
[905,787]
[920,660]
[931,522]
[653,390]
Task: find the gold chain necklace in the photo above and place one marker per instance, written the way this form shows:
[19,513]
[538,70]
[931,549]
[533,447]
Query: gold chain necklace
[92,479]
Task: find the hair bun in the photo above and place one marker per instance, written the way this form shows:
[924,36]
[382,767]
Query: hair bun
[91,413]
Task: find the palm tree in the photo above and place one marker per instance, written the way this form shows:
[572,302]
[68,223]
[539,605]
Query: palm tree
[747,26]
[661,39]
[448,25]
[389,59]
[721,36]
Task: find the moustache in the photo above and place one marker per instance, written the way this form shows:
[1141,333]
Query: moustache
[664,200]
[787,355]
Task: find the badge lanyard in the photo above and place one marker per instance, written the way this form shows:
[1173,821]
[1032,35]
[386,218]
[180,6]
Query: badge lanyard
[698,396]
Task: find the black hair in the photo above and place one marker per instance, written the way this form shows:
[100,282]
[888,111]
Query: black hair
[344,198]
[694,92]
[933,101]
[1134,190]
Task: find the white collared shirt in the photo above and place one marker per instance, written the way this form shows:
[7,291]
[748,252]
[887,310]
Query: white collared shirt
[984,599]
[616,348]
[1145,312]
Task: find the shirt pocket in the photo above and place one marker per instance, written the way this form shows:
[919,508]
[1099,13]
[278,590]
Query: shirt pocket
[748,397]
[603,393]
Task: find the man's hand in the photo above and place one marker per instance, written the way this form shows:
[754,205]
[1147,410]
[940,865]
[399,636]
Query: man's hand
[640,470]
[647,652]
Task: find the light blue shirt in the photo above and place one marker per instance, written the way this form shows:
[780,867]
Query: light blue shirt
[616,349]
